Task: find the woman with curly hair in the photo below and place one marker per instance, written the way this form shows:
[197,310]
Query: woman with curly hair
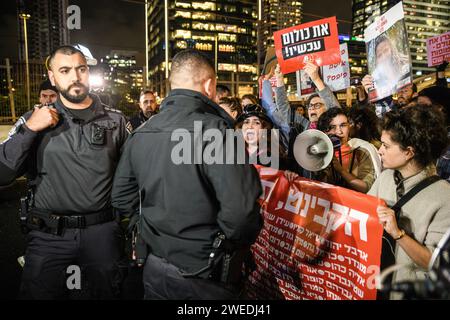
[412,140]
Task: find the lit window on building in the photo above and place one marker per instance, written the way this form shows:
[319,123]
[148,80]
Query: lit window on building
[204,5]
[182,34]
[183,14]
[181,44]
[247,68]
[182,5]
[227,37]
[229,8]
[202,26]
[203,37]
[227,67]
[203,46]
[226,48]
[203,16]
[227,28]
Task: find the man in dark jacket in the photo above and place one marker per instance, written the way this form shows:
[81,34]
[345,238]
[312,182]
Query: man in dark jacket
[193,215]
[147,106]
[69,154]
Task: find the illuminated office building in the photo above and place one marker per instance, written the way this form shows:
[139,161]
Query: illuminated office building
[276,15]
[424,19]
[46,27]
[224,30]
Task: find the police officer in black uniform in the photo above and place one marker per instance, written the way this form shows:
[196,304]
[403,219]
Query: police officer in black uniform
[69,153]
[198,220]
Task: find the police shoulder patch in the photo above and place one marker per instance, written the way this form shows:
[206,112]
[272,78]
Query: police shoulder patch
[16,127]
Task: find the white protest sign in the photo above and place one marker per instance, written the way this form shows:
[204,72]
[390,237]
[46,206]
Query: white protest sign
[337,76]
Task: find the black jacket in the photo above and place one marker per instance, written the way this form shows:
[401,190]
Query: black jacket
[71,174]
[184,206]
[135,121]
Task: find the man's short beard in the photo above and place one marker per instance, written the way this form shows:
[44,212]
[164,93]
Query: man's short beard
[74,98]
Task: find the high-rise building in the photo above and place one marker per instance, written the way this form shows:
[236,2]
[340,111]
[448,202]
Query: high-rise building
[46,27]
[224,30]
[424,19]
[366,11]
[276,15]
[120,71]
[357,57]
[118,80]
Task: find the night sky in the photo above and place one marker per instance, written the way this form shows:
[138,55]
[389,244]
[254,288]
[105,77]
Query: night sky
[119,24]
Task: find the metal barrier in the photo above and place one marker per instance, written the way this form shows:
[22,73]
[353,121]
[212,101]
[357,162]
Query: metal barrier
[13,96]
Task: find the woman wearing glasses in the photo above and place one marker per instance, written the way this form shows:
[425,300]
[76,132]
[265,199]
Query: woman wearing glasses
[281,112]
[352,168]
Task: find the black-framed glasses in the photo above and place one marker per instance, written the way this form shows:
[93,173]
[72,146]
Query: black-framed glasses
[314,106]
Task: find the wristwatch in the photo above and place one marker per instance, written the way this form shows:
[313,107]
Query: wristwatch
[402,233]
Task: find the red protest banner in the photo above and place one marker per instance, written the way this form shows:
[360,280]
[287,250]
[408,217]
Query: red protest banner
[318,242]
[315,41]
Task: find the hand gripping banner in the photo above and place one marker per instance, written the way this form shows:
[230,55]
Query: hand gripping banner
[319,242]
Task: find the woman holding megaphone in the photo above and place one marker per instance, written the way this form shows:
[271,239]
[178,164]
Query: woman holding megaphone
[352,167]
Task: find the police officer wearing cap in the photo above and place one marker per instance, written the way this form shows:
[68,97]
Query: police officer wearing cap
[69,154]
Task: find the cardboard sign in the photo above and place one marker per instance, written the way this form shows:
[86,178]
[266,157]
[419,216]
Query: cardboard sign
[388,57]
[270,60]
[438,49]
[318,242]
[337,76]
[315,41]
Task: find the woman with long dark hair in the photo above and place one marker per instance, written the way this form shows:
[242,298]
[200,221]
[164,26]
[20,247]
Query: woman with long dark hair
[261,142]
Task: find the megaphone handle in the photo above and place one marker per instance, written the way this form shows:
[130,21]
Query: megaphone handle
[340,156]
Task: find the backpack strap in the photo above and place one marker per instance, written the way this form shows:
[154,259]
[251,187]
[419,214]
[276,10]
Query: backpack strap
[411,193]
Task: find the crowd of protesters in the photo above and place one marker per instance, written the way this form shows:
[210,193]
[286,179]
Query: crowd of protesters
[384,149]
[387,148]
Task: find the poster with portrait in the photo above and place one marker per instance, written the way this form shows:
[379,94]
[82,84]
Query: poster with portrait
[305,86]
[388,57]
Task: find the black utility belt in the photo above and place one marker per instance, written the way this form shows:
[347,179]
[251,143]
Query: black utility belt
[49,222]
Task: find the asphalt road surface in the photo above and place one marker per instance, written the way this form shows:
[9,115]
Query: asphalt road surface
[12,240]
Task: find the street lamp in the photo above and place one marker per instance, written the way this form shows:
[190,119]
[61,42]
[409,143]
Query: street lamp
[25,17]
[146,44]
[258,35]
